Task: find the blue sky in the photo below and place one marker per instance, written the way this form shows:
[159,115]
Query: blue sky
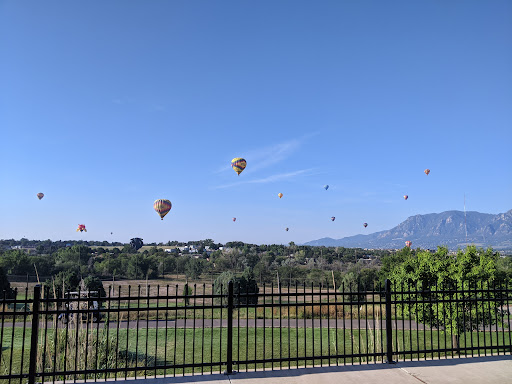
[107,106]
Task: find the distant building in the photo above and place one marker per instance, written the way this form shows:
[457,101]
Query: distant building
[27,248]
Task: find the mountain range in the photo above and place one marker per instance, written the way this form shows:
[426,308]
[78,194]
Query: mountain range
[453,229]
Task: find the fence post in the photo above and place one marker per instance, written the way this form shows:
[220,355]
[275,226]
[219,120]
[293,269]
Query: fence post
[33,335]
[389,327]
[229,369]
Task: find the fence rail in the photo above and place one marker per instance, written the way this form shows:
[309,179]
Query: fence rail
[137,333]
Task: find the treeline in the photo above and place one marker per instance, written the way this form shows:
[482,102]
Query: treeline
[66,264]
[209,259]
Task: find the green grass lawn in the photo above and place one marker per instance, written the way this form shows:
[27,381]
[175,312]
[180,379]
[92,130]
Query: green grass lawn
[156,348]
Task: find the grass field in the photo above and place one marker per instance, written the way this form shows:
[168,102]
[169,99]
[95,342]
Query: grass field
[156,348]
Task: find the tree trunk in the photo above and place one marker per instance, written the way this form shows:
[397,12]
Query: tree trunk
[455,344]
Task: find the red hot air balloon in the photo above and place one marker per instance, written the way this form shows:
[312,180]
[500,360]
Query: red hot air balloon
[234,218]
[408,244]
[333,218]
[81,228]
[406,197]
[365,225]
[40,195]
[427,171]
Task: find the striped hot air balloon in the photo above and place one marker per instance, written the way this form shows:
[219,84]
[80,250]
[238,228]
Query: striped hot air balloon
[81,228]
[40,195]
[427,171]
[408,244]
[238,164]
[162,207]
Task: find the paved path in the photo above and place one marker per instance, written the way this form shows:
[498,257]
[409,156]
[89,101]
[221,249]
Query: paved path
[477,370]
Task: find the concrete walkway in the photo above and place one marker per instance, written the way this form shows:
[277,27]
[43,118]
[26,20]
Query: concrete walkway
[477,370]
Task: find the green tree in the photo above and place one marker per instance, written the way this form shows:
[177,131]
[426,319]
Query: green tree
[351,283]
[316,277]
[64,281]
[193,268]
[5,286]
[245,287]
[440,289]
[187,291]
[16,262]
[92,283]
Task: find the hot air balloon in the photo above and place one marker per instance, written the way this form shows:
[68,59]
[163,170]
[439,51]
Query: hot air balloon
[427,171]
[162,207]
[234,218]
[286,229]
[365,225]
[280,195]
[238,164]
[406,197]
[408,244]
[333,218]
[326,187]
[136,243]
[81,228]
[40,195]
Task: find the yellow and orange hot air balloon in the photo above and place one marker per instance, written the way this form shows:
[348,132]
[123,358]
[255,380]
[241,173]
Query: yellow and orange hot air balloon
[427,171]
[408,244]
[238,164]
[40,195]
[280,195]
[162,207]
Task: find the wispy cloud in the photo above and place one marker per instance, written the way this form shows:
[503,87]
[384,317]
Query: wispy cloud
[270,155]
[270,179]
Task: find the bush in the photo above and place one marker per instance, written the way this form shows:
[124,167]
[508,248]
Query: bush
[243,285]
[63,281]
[92,283]
[5,285]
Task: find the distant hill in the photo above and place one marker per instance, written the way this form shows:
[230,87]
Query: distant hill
[428,231]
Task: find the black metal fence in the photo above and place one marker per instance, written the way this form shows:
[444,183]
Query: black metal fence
[175,330]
